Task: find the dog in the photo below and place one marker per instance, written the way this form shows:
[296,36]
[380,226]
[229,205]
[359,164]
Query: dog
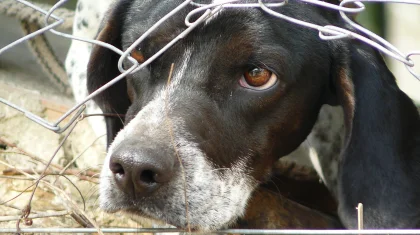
[246,89]
[289,208]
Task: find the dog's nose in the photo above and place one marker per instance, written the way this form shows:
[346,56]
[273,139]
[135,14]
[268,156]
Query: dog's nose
[139,172]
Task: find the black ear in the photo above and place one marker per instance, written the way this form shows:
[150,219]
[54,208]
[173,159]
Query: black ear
[102,68]
[380,161]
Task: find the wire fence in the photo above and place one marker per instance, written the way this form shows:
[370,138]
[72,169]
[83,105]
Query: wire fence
[52,21]
[228,231]
[326,32]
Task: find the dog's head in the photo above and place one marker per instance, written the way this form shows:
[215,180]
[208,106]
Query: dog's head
[245,89]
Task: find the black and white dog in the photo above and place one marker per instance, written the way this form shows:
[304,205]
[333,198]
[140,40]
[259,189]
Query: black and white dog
[246,90]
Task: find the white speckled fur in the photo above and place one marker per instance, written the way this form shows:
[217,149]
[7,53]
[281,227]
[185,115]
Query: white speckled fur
[91,13]
[325,152]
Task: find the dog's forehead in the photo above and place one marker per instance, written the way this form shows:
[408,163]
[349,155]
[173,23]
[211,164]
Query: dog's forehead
[142,15]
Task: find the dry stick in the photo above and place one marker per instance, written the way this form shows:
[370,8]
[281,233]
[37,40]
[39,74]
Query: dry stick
[11,171]
[171,133]
[14,177]
[29,176]
[359,209]
[49,163]
[91,173]
[27,210]
[92,190]
[41,177]
[81,218]
[13,198]
[28,221]
[72,172]
[71,182]
[89,146]
[74,159]
[104,115]
[10,206]
[35,216]
[96,174]
[23,152]
[86,176]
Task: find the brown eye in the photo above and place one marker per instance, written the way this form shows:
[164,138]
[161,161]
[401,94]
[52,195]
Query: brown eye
[258,79]
[257,76]
[137,55]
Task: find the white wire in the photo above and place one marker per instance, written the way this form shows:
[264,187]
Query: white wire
[326,32]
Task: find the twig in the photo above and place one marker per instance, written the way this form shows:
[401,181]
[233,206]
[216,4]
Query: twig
[27,210]
[360,216]
[74,159]
[103,115]
[82,220]
[25,153]
[78,214]
[15,177]
[27,175]
[82,175]
[11,206]
[50,161]
[33,157]
[74,172]
[35,216]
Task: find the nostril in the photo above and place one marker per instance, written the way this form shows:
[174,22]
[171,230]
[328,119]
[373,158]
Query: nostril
[148,176]
[116,168]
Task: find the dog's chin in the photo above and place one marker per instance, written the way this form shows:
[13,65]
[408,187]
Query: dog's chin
[195,221]
[161,223]
[166,222]
[111,204]
[132,213]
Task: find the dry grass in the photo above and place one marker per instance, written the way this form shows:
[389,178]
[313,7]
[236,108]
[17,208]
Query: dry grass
[67,195]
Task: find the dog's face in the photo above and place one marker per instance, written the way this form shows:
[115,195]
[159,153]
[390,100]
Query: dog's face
[245,89]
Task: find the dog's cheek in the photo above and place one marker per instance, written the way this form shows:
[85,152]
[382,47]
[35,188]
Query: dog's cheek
[224,191]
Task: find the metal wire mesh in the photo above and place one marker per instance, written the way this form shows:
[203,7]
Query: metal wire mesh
[204,12]
[229,231]
[326,32]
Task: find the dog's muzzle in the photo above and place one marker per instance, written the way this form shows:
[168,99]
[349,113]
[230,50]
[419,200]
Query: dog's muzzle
[143,174]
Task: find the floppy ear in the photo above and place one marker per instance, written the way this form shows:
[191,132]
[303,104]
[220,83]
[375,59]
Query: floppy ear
[102,68]
[380,161]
